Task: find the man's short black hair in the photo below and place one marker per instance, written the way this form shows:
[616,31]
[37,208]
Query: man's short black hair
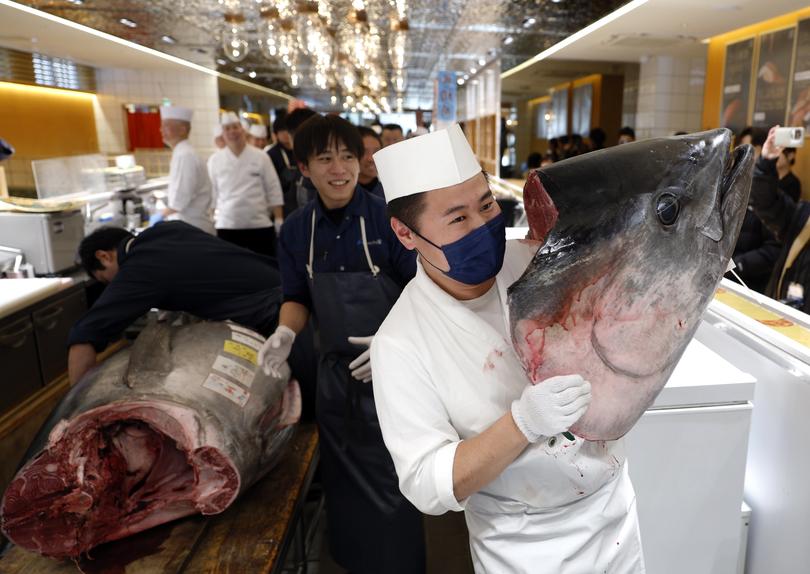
[104,239]
[628,131]
[392,127]
[366,132]
[597,137]
[408,209]
[758,136]
[534,160]
[280,124]
[297,117]
[319,133]
[787,153]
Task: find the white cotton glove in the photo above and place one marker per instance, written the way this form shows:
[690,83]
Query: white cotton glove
[551,406]
[361,366]
[275,350]
[277,223]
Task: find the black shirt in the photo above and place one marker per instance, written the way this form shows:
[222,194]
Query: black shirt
[178,267]
[791,185]
[282,159]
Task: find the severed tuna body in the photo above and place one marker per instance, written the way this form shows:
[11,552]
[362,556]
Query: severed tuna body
[180,423]
[633,242]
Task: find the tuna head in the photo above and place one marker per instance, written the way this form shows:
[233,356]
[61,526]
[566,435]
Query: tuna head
[633,241]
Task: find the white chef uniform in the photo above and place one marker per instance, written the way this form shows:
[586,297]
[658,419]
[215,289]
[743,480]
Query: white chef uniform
[189,188]
[245,188]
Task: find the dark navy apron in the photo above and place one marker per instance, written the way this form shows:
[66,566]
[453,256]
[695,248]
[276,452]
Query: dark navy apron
[372,528]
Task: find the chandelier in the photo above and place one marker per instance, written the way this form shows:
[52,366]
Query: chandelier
[305,36]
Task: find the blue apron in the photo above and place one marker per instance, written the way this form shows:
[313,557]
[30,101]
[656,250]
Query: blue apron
[372,528]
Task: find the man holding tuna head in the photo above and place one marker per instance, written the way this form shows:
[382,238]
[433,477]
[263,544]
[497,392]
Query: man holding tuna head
[466,429]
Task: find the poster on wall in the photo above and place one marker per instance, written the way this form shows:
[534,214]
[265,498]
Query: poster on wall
[737,85]
[800,102]
[773,77]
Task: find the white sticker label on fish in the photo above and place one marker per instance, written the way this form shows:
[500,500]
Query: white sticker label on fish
[245,331]
[227,389]
[245,340]
[234,370]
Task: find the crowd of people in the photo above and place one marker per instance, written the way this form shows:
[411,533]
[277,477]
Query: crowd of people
[320,231]
[771,255]
[572,145]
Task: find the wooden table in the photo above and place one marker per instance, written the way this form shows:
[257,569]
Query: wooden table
[252,536]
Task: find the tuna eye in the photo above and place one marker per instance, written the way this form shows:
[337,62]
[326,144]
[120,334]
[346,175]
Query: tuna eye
[667,209]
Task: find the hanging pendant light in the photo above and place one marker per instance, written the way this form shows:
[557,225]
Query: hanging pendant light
[234,42]
[269,30]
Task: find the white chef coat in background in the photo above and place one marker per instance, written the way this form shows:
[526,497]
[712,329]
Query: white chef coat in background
[245,188]
[189,188]
[443,374]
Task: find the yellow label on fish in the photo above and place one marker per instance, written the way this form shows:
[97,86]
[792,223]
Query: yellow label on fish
[242,351]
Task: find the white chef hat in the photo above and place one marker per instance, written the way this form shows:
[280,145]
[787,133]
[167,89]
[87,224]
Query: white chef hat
[258,131]
[217,130]
[432,161]
[228,118]
[175,113]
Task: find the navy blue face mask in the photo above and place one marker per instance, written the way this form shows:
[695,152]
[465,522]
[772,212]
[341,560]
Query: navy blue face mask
[477,256]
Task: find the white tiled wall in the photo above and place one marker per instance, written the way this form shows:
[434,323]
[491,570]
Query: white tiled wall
[670,95]
[118,87]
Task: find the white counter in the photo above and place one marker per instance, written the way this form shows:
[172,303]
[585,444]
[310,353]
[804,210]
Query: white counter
[703,377]
[16,294]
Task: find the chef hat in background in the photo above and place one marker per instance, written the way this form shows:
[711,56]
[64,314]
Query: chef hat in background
[258,131]
[432,161]
[176,113]
[228,118]
[217,130]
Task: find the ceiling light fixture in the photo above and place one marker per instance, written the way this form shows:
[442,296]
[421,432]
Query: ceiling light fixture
[481,61]
[529,22]
[240,69]
[221,62]
[234,43]
[128,23]
[508,40]
[76,2]
[252,73]
[473,71]
[625,9]
[168,39]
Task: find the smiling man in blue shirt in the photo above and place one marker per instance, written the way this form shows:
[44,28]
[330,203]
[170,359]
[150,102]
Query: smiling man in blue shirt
[341,262]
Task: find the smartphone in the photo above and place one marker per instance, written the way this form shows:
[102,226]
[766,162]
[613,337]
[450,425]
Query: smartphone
[789,137]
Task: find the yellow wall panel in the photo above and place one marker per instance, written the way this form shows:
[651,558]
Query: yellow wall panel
[46,122]
[41,123]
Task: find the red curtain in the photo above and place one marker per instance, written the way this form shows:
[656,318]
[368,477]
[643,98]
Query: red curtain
[144,130]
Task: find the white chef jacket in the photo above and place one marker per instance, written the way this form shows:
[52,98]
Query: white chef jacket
[442,374]
[189,188]
[245,187]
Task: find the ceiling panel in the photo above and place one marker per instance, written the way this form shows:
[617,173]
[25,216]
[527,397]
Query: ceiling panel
[444,34]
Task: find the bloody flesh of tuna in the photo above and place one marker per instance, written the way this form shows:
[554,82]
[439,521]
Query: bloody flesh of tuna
[111,472]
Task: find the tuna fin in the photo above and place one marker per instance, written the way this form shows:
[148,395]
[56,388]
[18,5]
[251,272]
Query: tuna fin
[151,355]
